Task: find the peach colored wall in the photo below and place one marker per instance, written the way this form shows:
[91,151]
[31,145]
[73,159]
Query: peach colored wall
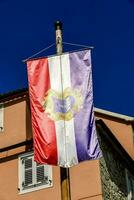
[84,178]
[15,123]
[17,128]
[93,198]
[6,154]
[85,181]
[9,184]
[122,131]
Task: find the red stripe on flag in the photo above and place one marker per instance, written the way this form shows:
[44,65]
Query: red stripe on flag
[45,146]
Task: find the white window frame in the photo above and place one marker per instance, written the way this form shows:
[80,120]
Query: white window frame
[1,117]
[128,177]
[33,186]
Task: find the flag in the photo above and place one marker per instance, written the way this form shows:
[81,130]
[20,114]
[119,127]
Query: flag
[61,97]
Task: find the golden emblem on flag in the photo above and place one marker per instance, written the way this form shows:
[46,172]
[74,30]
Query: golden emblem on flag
[62,106]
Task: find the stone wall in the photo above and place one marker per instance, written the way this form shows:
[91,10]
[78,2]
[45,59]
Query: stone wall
[112,172]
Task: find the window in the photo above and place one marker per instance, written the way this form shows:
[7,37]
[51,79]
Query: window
[130,185]
[1,117]
[33,176]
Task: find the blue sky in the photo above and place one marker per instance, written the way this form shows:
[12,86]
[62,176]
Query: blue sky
[27,27]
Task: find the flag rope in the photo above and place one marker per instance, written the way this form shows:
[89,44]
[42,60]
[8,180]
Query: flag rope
[42,50]
[53,44]
[78,45]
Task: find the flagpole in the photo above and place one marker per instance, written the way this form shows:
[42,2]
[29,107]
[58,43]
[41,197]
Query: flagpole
[64,172]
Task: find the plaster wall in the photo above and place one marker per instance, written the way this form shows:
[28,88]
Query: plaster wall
[122,130]
[9,184]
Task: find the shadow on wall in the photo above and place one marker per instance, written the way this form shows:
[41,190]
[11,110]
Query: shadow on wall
[29,134]
[112,170]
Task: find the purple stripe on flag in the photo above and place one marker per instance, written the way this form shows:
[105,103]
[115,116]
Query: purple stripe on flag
[84,122]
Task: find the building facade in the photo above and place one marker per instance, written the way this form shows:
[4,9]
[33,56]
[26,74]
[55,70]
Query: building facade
[109,178]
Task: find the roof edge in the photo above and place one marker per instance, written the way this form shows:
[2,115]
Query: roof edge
[114,115]
[12,95]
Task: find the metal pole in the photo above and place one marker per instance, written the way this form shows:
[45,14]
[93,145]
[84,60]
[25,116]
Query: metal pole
[64,172]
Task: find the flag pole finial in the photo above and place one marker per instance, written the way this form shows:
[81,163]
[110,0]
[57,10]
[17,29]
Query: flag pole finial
[58,32]
[58,25]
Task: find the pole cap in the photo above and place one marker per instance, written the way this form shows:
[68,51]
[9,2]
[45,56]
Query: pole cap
[58,25]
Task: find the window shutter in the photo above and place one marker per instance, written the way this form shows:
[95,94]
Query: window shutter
[28,172]
[40,177]
[33,176]
[1,117]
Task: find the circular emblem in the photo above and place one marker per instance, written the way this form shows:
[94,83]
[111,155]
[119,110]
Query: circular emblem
[62,106]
